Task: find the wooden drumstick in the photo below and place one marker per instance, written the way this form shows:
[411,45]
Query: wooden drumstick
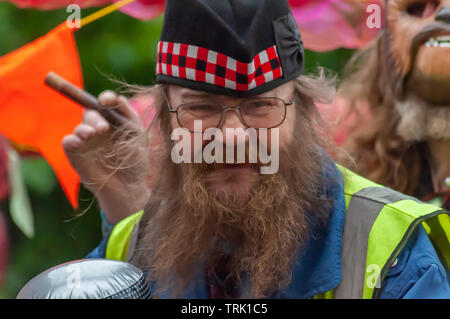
[84,98]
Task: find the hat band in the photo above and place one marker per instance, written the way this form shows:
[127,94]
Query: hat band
[190,62]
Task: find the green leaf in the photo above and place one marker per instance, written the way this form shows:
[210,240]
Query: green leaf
[38,176]
[19,203]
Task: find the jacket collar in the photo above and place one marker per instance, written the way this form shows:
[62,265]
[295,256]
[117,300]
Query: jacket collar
[319,266]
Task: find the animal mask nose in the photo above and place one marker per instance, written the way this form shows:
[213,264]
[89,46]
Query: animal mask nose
[443,15]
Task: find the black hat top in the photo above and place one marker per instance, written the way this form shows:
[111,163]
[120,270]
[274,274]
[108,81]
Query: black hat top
[230,47]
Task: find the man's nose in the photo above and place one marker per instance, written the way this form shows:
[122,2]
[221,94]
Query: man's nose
[233,127]
[443,15]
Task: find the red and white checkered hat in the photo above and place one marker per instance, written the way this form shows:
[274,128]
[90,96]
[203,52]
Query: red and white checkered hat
[231,47]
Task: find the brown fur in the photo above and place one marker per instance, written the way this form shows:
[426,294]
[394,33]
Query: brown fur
[380,152]
[396,77]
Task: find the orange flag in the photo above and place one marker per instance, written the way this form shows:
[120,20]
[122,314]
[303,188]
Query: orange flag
[35,115]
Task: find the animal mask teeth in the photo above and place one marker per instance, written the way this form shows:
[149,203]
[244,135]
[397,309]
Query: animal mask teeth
[444,38]
[441,42]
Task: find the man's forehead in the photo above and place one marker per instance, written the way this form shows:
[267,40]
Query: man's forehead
[186,92]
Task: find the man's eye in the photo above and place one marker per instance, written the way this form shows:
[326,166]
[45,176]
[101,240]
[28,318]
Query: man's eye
[260,104]
[422,9]
[202,107]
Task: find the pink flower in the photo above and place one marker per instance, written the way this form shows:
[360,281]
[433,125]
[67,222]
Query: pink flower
[340,119]
[144,106]
[53,4]
[144,9]
[325,24]
[329,24]
[141,9]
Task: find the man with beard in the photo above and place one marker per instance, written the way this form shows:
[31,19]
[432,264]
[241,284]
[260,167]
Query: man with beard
[401,90]
[223,230]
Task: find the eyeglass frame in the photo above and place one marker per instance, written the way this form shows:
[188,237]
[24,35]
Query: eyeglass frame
[226,108]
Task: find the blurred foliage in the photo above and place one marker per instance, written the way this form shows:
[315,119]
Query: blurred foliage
[19,203]
[117,46]
[60,235]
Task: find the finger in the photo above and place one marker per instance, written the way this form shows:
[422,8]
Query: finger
[71,143]
[107,98]
[118,103]
[94,119]
[121,104]
[84,131]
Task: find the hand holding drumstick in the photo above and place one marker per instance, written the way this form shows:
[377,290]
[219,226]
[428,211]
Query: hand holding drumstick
[86,100]
[101,118]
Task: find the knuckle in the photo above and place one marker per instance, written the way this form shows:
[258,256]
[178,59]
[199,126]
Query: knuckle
[107,97]
[92,116]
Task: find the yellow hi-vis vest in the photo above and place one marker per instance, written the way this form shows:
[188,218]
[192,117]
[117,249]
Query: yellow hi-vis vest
[378,224]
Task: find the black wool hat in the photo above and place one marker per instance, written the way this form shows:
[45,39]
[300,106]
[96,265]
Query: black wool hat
[231,47]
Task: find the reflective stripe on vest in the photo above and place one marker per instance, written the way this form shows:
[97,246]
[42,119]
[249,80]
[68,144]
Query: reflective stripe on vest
[378,223]
[119,239]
